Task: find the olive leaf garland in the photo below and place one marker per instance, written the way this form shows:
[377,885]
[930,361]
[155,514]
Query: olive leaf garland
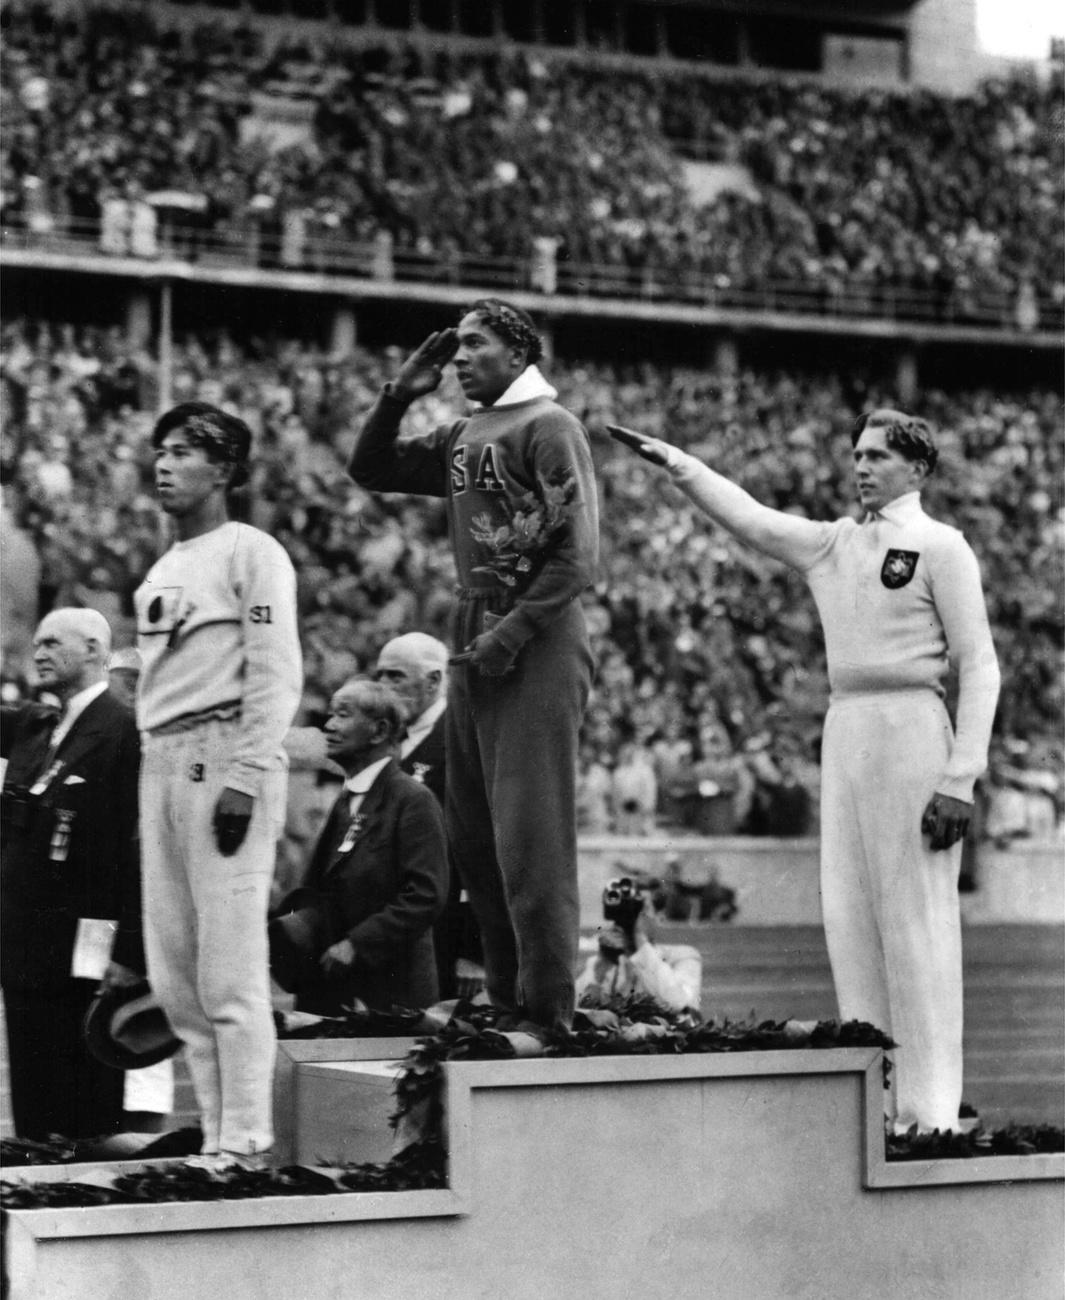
[532,527]
[634,1026]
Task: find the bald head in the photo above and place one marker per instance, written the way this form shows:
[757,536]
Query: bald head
[415,666]
[71,648]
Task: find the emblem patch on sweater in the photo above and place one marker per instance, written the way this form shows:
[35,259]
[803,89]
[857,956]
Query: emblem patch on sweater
[898,568]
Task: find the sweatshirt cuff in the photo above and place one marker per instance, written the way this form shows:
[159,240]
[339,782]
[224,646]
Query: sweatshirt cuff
[514,629]
[387,391]
[957,787]
[245,778]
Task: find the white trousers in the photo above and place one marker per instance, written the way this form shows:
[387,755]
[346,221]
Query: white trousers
[205,929]
[891,911]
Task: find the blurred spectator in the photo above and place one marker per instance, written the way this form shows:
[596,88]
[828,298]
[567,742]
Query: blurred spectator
[691,893]
[20,577]
[781,803]
[1021,802]
[723,784]
[633,791]
[594,792]
[685,627]
[123,673]
[431,155]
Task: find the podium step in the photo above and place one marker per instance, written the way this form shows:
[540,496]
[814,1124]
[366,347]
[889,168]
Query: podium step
[342,1110]
[747,1175]
[295,1055]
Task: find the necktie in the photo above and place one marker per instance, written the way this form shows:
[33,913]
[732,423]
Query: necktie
[43,768]
[347,841]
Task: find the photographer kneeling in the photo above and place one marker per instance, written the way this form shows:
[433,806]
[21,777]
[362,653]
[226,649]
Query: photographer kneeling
[629,963]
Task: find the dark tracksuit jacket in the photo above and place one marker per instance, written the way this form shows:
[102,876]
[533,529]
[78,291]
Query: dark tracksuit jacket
[523,522]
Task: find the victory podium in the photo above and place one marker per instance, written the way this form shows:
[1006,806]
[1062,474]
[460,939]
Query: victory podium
[744,1176]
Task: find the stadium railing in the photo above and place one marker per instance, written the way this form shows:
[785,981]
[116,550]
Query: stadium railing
[334,255]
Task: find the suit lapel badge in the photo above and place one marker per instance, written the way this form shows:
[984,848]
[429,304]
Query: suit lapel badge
[353,832]
[898,568]
[59,848]
[420,771]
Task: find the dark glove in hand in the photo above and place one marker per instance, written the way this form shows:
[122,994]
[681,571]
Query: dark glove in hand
[232,814]
[945,821]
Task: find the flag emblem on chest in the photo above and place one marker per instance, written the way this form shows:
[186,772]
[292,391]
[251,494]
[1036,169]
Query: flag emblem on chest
[898,568]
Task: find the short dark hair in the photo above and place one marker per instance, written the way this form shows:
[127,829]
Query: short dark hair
[379,702]
[511,323]
[225,438]
[909,435]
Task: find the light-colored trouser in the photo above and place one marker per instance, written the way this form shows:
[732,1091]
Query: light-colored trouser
[205,929]
[891,911]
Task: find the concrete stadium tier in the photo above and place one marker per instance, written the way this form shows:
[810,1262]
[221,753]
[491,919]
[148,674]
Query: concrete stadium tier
[748,1176]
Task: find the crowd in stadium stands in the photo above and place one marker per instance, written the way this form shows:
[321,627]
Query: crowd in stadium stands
[710,686]
[438,154]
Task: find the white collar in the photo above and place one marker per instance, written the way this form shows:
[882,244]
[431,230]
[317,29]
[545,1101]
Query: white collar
[425,722]
[529,384]
[899,510]
[76,706]
[361,782]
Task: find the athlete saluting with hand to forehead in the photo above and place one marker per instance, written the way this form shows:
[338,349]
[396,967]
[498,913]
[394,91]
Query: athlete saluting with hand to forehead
[522,516]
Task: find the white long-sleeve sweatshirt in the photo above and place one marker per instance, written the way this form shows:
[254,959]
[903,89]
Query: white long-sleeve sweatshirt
[216,629]
[899,595]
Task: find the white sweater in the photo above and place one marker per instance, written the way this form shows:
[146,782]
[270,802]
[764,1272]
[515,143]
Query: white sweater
[883,630]
[216,629]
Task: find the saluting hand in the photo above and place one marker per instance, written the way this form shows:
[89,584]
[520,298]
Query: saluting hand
[424,368]
[652,449]
[945,821]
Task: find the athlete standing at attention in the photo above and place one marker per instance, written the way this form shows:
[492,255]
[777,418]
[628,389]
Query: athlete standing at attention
[899,595]
[523,520]
[220,684]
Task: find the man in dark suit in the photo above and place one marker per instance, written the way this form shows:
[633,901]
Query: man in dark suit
[70,878]
[360,926]
[415,666]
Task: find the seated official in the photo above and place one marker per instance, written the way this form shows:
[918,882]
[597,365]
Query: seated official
[360,926]
[415,666]
[630,964]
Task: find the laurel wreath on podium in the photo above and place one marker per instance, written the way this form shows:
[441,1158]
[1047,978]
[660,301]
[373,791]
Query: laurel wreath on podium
[631,1026]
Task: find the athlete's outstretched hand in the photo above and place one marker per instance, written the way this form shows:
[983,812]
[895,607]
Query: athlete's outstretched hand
[945,821]
[649,448]
[424,368]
